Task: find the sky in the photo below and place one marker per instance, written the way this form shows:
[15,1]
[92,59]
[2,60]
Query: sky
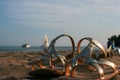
[27,21]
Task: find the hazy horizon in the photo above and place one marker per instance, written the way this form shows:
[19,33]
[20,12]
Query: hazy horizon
[27,21]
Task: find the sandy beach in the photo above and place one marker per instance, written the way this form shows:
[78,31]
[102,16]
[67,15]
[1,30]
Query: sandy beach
[17,65]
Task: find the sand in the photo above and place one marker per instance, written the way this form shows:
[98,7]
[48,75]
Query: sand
[17,66]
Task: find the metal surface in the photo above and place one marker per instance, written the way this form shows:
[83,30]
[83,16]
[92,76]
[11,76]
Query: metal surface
[92,59]
[87,52]
[54,56]
[111,52]
[93,62]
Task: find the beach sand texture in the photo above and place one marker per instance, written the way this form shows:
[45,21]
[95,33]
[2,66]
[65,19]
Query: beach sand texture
[17,65]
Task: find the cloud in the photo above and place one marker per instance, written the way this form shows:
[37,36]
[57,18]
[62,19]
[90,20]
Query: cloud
[57,16]
[55,12]
[45,11]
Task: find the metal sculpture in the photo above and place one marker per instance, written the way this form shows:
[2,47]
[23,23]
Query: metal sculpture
[54,57]
[92,61]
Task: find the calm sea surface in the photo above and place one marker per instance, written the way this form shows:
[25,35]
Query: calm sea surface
[32,48]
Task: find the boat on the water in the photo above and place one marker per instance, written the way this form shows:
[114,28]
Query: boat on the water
[26,46]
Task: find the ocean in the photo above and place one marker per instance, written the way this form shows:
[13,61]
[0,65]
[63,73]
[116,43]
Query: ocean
[32,48]
[35,48]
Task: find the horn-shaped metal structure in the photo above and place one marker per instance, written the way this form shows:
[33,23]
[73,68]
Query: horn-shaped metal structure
[91,60]
[55,57]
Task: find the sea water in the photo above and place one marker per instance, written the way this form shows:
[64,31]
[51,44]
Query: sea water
[36,48]
[32,48]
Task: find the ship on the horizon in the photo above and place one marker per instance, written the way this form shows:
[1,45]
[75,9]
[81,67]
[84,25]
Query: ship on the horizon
[26,45]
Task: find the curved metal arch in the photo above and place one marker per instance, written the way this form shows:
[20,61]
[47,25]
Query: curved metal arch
[96,43]
[102,75]
[52,52]
[87,53]
[101,72]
